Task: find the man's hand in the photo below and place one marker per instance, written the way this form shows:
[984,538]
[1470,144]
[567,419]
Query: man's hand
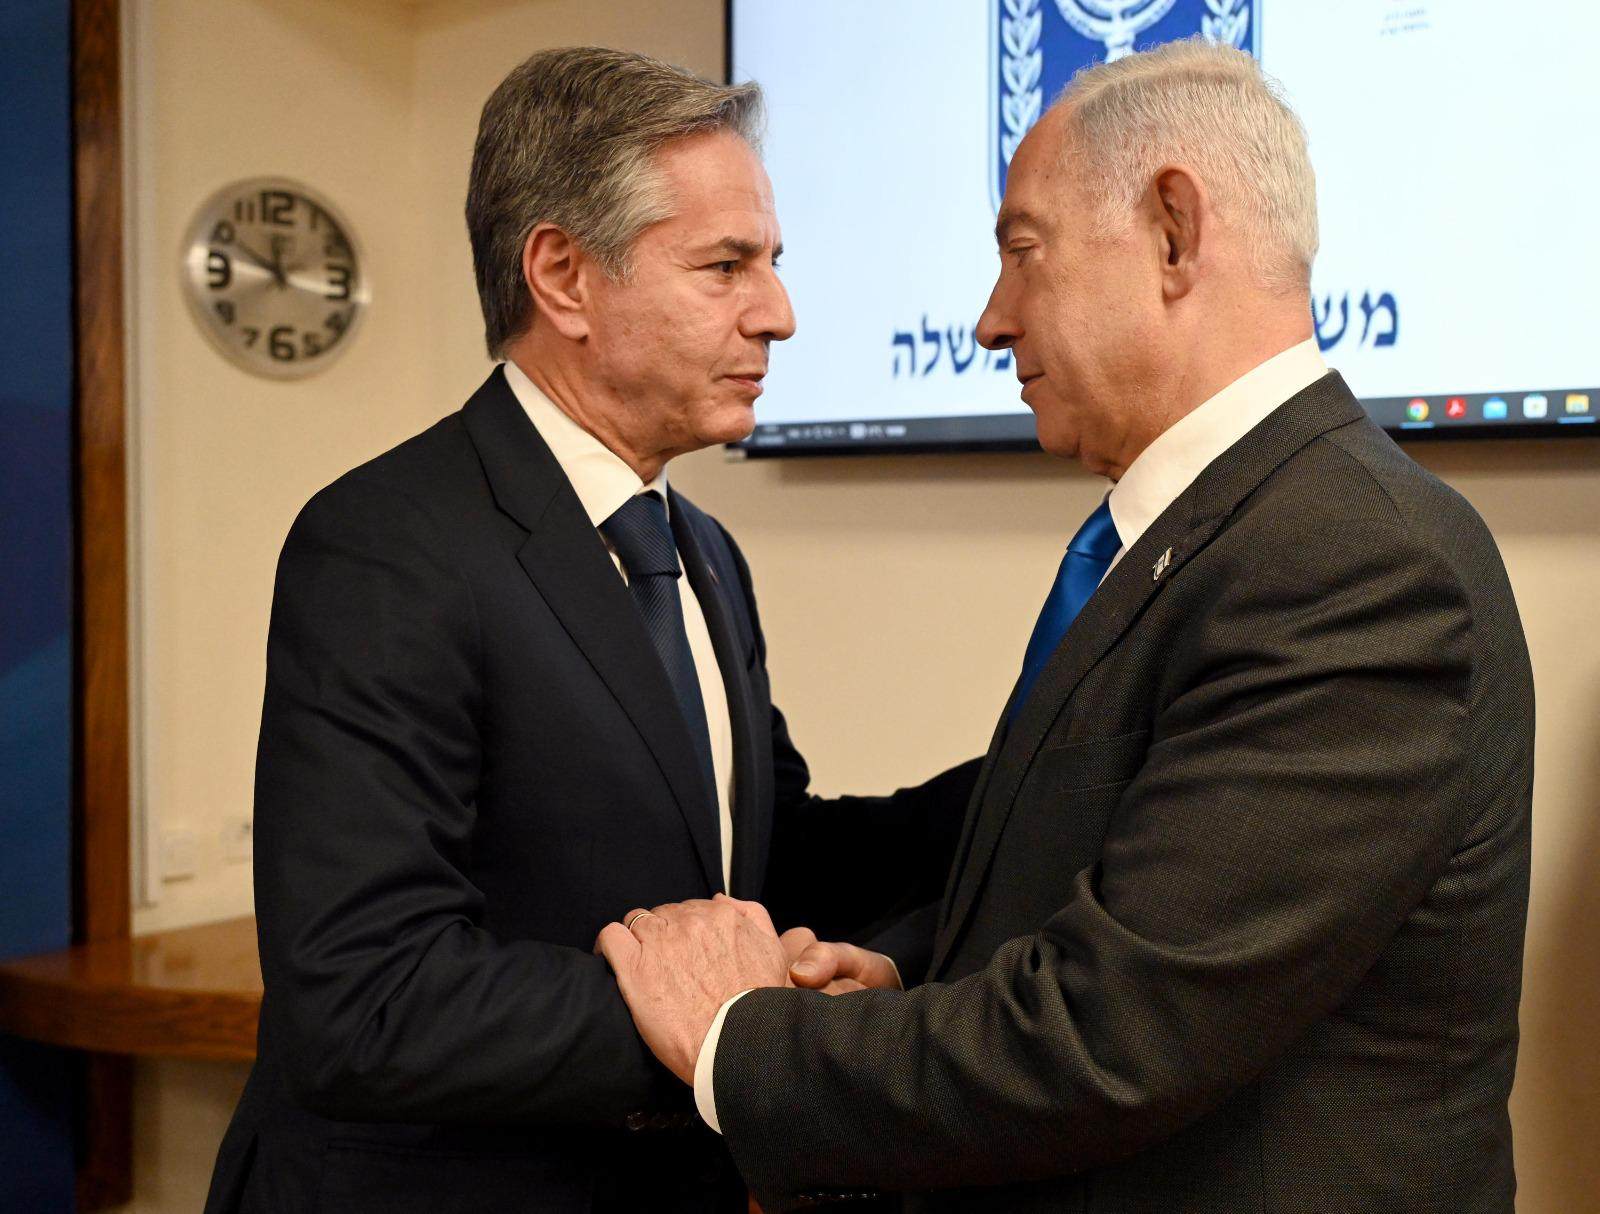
[677,964]
[835,968]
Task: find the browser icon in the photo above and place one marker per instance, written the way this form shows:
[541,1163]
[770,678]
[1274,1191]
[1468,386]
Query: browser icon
[1536,404]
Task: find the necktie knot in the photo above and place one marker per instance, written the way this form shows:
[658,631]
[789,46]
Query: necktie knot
[1097,538]
[642,535]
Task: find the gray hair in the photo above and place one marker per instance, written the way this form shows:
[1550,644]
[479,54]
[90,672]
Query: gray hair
[569,138]
[1211,107]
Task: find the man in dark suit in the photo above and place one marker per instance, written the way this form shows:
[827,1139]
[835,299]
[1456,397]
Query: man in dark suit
[516,685]
[1236,920]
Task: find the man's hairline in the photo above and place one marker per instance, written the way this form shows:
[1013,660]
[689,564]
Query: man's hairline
[669,200]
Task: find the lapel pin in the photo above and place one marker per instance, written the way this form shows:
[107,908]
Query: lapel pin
[1161,565]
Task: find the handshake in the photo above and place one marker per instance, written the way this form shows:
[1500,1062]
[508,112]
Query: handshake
[679,963]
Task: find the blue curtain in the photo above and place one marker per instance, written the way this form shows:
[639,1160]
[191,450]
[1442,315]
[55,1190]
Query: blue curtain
[36,525]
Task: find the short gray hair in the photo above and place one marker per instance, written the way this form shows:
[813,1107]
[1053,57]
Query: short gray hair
[569,138]
[1212,107]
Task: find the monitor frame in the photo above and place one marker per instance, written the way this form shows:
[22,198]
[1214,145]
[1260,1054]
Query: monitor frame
[746,449]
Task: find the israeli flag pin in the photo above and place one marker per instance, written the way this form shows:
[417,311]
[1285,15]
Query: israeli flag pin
[1161,565]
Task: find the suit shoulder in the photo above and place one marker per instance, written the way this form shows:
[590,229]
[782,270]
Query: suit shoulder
[1433,513]
[1414,492]
[415,477]
[1355,484]
[1351,509]
[1328,519]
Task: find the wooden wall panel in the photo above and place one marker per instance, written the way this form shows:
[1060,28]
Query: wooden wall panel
[101,902]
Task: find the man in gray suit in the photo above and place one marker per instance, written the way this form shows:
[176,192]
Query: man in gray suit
[1236,921]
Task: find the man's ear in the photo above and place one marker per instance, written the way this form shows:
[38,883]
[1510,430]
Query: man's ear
[1182,214]
[553,267]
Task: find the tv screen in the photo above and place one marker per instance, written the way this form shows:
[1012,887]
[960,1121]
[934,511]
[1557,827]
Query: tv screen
[1454,144]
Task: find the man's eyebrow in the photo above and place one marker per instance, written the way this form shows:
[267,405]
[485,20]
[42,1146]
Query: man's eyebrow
[1009,220]
[739,248]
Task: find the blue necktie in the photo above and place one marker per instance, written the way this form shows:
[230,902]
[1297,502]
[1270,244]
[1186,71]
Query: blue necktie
[642,536]
[1087,559]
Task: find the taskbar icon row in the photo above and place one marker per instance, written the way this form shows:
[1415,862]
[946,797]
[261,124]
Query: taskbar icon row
[1566,406]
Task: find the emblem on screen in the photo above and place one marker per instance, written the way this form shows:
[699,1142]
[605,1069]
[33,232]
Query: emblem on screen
[1040,44]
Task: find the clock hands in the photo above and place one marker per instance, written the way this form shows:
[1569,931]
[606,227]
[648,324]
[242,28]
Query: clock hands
[278,245]
[301,277]
[272,267]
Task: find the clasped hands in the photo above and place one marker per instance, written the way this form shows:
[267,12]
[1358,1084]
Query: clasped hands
[677,964]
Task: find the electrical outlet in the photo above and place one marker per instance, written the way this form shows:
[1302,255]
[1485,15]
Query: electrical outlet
[180,855]
[238,840]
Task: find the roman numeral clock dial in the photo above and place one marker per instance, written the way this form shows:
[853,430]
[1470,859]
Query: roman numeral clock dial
[273,277]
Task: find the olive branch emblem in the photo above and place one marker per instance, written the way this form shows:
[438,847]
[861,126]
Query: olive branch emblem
[1021,65]
[1229,22]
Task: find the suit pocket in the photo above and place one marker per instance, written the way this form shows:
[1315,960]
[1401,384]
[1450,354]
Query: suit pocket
[369,1178]
[1090,763]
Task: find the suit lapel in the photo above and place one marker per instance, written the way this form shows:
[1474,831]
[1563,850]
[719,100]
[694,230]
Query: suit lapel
[572,571]
[1182,530]
[749,826]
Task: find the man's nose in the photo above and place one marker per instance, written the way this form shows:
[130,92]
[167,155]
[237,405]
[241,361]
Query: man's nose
[997,328]
[770,315]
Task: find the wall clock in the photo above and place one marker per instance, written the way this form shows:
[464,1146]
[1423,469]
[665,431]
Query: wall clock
[273,277]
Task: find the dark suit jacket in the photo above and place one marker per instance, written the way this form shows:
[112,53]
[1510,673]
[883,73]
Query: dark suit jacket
[471,760]
[1237,920]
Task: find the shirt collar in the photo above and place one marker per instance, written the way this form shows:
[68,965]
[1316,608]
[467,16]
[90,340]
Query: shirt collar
[1170,464]
[599,476]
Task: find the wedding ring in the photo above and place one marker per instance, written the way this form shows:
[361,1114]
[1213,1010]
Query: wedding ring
[635,917]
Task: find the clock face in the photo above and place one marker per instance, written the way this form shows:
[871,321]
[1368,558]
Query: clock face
[273,277]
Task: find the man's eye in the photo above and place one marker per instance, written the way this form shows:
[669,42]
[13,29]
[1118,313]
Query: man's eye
[726,267]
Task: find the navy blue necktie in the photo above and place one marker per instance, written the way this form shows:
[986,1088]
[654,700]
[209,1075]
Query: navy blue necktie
[1088,557]
[642,536]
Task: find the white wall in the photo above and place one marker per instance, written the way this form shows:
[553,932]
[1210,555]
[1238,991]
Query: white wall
[897,593]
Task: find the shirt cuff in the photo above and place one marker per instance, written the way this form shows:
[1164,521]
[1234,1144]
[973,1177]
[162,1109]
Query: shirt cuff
[705,1066]
[898,981]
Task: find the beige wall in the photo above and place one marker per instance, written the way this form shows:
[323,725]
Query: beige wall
[221,90]
[375,103]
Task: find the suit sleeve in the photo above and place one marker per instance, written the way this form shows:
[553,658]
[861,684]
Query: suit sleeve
[849,867]
[386,999]
[1302,792]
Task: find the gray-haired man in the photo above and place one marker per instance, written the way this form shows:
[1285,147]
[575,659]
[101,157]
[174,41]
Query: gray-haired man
[516,685]
[1237,920]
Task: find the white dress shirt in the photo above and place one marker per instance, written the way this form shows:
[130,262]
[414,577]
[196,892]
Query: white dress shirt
[603,482]
[1160,472]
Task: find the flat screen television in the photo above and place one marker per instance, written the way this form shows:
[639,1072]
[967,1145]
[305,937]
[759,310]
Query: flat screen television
[1458,283]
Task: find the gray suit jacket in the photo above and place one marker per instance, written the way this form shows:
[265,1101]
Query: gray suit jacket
[1237,919]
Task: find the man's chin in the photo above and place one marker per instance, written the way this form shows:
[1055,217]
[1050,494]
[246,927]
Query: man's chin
[1059,441]
[729,425]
